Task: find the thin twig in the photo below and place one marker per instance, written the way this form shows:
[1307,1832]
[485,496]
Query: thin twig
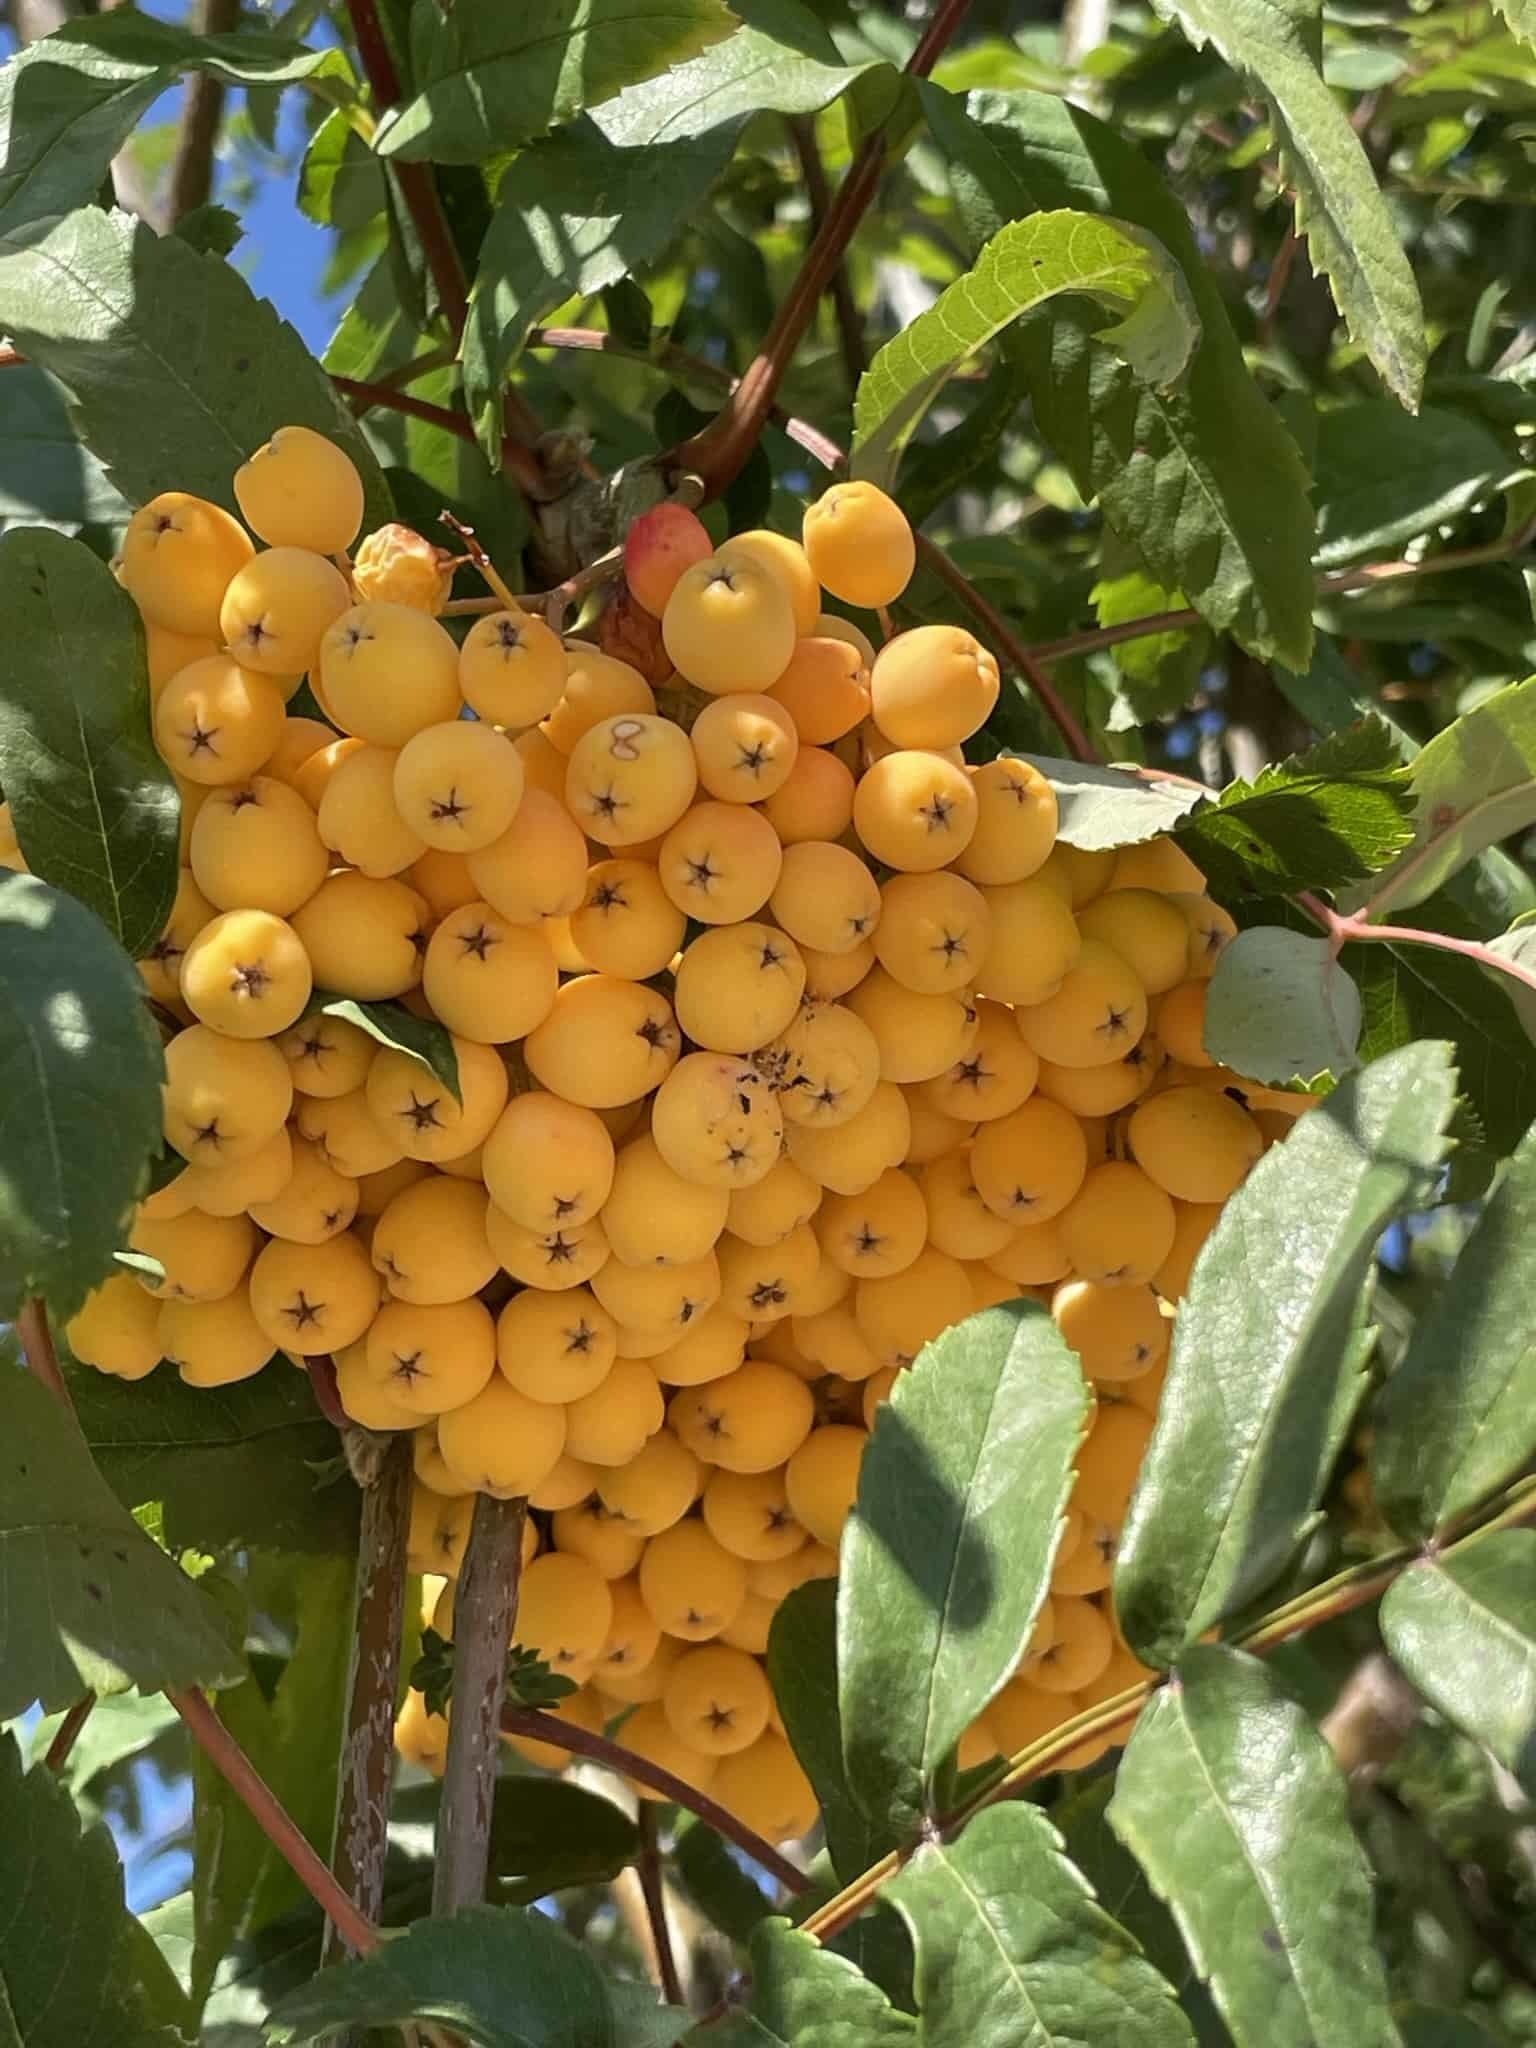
[484,1611]
[1112,636]
[719,451]
[191,178]
[653,1890]
[42,1361]
[562,1734]
[67,1734]
[516,458]
[1279,277]
[850,329]
[361,1837]
[321,1368]
[232,1764]
[1343,931]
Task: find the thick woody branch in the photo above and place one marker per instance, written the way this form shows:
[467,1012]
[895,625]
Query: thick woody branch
[191,178]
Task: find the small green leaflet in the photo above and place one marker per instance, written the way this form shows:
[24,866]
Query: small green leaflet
[1002,1923]
[69,1965]
[1323,818]
[1230,1800]
[46,477]
[1269,1351]
[80,1104]
[491,77]
[1518,947]
[393,1025]
[1280,1008]
[70,101]
[87,1603]
[1457,1419]
[1383,477]
[177,370]
[547,1834]
[1103,807]
[95,808]
[1122,266]
[1474,784]
[1339,208]
[500,1977]
[1463,1628]
[803,1996]
[948,1556]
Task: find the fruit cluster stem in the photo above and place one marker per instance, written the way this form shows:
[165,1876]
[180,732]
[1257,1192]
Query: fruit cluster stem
[484,1614]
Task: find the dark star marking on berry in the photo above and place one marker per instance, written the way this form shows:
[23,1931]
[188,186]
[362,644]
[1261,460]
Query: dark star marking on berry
[754,759]
[421,1116]
[937,812]
[407,1366]
[974,1073]
[866,1242]
[1115,1022]
[564,1205]
[449,809]
[302,1312]
[559,1249]
[478,942]
[610,896]
[249,980]
[201,738]
[607,804]
[720,1717]
[509,635]
[700,874]
[952,946]
[243,798]
[580,1339]
[208,1134]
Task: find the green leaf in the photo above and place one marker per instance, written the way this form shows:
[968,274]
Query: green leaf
[948,1557]
[1003,1924]
[393,1025]
[1332,815]
[804,1997]
[46,477]
[87,1603]
[491,77]
[80,1100]
[1268,1352]
[802,1668]
[573,215]
[178,371]
[1457,1419]
[642,2020]
[1230,1800]
[1280,1008]
[1350,234]
[715,1881]
[70,101]
[1474,784]
[211,230]
[1204,480]
[547,1834]
[225,1466]
[1518,946]
[499,1977]
[1161,671]
[294,1738]
[1462,1628]
[1101,807]
[1383,477]
[1123,267]
[1423,2026]
[67,1942]
[1329,694]
[94,806]
[119,1726]
[1521,16]
[341,182]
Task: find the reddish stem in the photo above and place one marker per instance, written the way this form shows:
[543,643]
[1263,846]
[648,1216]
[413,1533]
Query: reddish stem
[516,458]
[719,451]
[653,1891]
[68,1733]
[1343,931]
[42,1361]
[1112,636]
[562,1734]
[322,1379]
[264,1807]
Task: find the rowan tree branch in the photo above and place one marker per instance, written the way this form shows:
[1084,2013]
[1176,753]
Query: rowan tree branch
[68,1732]
[202,109]
[653,1890]
[567,1735]
[850,328]
[719,451]
[517,458]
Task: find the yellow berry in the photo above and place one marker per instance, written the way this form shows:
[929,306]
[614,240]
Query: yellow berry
[587,1530]
[217,722]
[719,862]
[934,932]
[430,1243]
[161,968]
[555,1347]
[486,979]
[1095,1016]
[750,1420]
[771,1208]
[301,740]
[387,672]
[359,820]
[992,1079]
[765,1283]
[1016,819]
[1211,930]
[421,1114]
[606,1042]
[1118,1226]
[314,1203]
[223,1098]
[1079,1649]
[610,1425]
[897,1316]
[914,810]
[859,544]
[830,976]
[876,1233]
[654,1216]
[311,1298]
[745,747]
[825,897]
[222,1189]
[716,1122]
[1193,1223]
[776,1579]
[1118,1332]
[395,565]
[1035,942]
[729,625]
[511,669]
[439,1530]
[117,1328]
[213,1343]
[691,1585]
[255,846]
[630,778]
[918,1036]
[633,1637]
[826,1065]
[1179,1021]
[1159,865]
[959,1221]
[834,1343]
[712,1345]
[932,687]
[821,1480]
[537,867]
[376,1190]
[500,1442]
[1148,931]
[825,689]
[364,937]
[737,986]
[597,687]
[1108,1463]
[179,553]
[786,563]
[578,1710]
[278,607]
[203,1257]
[766,1788]
[717,1700]
[627,924]
[564,1612]
[300,490]
[548,1163]
[748,1514]
[815,800]
[656,1488]
[458,784]
[932,1132]
[346,1132]
[246,974]
[849,1157]
[1194,1143]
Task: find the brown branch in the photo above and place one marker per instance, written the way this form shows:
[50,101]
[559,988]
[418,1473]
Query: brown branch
[1279,278]
[484,1611]
[719,451]
[653,1891]
[516,457]
[567,1735]
[361,1836]
[321,1368]
[1112,636]
[38,1353]
[67,1734]
[202,109]
[269,1814]
[850,328]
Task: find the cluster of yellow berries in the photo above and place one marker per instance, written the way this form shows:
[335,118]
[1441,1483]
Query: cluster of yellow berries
[785,1041]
